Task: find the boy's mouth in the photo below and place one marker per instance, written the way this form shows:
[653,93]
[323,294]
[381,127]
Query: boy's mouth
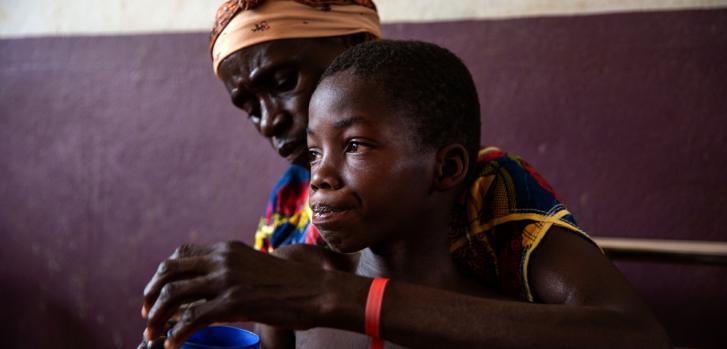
[323,209]
[325,214]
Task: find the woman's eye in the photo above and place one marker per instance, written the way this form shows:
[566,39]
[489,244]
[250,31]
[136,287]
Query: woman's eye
[249,106]
[253,112]
[286,82]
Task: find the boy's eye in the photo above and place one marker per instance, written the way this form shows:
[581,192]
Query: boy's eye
[351,147]
[313,155]
[354,147]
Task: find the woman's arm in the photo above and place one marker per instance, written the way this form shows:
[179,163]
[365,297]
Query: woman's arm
[589,304]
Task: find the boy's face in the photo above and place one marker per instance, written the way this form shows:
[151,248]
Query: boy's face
[370,181]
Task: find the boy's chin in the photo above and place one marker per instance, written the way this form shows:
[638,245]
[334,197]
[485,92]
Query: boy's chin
[341,246]
[347,250]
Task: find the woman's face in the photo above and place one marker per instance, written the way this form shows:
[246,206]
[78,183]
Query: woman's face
[273,82]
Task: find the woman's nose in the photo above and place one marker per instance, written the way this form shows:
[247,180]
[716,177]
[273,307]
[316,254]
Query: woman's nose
[273,119]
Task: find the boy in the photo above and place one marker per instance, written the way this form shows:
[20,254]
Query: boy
[386,176]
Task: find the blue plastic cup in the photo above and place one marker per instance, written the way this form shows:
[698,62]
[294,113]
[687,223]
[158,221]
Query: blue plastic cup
[222,337]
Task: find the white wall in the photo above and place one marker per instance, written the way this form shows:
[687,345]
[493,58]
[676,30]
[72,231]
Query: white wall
[20,18]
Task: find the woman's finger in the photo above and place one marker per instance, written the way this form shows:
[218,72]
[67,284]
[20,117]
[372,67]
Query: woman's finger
[189,250]
[198,317]
[171,270]
[172,296]
[154,344]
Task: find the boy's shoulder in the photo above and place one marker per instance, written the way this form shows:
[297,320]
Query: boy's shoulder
[319,256]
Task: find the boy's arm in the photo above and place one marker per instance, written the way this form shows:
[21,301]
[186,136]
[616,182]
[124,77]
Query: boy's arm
[588,303]
[275,338]
[282,338]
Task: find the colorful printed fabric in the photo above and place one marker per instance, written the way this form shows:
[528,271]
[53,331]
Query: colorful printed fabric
[497,225]
[502,219]
[287,216]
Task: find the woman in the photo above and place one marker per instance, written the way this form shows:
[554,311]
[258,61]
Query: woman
[270,55]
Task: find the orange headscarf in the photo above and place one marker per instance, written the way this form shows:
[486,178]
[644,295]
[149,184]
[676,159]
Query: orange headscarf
[243,23]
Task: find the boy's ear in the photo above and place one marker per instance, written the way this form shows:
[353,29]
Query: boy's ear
[451,167]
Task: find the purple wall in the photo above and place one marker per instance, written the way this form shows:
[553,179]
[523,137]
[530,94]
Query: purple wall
[114,150]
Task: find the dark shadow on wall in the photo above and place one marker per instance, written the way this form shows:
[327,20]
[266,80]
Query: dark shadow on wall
[689,300]
[32,319]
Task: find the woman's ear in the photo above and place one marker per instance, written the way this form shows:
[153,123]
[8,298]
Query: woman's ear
[452,165]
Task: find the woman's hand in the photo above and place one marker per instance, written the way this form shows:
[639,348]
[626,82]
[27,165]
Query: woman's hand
[230,282]
[155,344]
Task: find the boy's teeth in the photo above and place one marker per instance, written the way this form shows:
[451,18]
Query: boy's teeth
[325,209]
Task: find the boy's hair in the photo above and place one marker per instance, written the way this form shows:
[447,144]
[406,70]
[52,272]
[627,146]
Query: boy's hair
[429,82]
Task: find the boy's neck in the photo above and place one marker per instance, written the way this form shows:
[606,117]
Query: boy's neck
[421,256]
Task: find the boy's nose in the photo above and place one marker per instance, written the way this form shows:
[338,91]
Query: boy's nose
[325,176]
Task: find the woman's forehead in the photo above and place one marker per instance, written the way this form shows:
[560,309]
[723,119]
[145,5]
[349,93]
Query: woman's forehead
[248,58]
[239,68]
[259,58]
[279,50]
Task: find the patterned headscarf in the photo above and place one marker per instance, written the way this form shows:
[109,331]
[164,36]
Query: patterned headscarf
[243,23]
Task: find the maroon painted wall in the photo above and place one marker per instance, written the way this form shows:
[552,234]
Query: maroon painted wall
[114,150]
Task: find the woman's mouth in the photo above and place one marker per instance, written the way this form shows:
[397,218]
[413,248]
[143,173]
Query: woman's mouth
[286,148]
[292,150]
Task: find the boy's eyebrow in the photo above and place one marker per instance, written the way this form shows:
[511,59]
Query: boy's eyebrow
[344,123]
[349,121]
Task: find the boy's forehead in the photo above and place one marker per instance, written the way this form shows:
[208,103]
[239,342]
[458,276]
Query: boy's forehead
[347,83]
[333,93]
[345,100]
[344,95]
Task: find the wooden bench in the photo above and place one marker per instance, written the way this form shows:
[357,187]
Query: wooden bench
[675,251]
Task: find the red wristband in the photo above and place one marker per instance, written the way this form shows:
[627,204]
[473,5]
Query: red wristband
[373,311]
